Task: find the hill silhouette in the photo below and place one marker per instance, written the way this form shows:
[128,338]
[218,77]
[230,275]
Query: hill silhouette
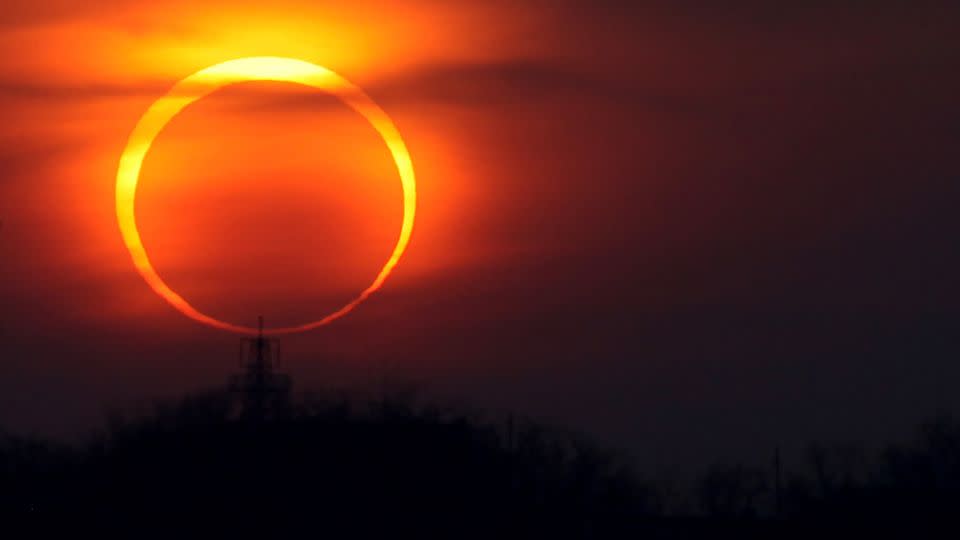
[337,467]
[333,467]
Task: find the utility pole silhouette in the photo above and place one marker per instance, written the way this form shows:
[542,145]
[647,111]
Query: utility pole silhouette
[776,482]
[261,392]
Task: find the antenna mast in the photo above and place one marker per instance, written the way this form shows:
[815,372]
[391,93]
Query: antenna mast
[262,392]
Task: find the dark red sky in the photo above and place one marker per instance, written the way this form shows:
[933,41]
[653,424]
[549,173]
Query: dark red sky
[690,229]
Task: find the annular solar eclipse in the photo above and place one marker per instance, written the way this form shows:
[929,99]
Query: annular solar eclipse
[203,83]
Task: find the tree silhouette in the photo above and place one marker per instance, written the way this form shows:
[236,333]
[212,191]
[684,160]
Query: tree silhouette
[394,466]
[337,467]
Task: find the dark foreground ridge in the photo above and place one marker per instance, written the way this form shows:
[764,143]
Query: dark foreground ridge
[329,468]
[394,468]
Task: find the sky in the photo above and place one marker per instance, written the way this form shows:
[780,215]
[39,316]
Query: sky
[690,230]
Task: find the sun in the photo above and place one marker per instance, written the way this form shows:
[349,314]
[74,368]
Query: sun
[206,81]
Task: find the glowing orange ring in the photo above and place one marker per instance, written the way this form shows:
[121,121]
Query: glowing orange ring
[204,82]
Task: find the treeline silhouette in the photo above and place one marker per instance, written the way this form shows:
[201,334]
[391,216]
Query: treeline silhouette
[332,467]
[335,466]
[905,490]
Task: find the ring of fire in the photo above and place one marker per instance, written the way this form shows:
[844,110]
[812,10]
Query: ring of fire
[206,81]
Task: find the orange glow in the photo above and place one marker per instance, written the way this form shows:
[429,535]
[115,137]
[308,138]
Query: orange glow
[206,81]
